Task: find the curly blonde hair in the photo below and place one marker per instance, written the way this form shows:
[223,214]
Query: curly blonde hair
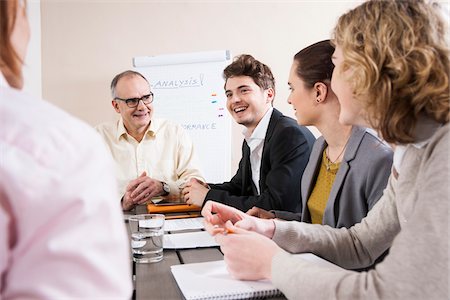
[400,58]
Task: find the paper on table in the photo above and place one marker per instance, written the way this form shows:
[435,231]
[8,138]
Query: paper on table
[189,240]
[210,280]
[184,224]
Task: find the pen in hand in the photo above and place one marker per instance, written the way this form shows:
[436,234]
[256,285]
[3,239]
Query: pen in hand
[217,229]
[227,231]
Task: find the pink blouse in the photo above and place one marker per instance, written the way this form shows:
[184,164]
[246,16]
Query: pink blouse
[62,233]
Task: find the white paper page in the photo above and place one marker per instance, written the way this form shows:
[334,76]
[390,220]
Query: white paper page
[189,240]
[211,280]
[184,224]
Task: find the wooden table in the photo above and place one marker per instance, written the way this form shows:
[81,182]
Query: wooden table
[155,280]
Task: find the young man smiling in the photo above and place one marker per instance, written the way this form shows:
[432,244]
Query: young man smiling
[275,150]
[154,157]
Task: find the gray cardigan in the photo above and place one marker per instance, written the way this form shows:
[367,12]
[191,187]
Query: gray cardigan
[411,219]
[359,182]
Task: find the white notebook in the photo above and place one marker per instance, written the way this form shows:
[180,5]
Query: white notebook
[211,280]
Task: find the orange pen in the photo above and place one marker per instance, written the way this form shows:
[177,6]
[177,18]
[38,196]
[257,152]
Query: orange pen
[228,231]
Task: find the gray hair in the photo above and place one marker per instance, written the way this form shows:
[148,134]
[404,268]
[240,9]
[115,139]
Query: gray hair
[128,73]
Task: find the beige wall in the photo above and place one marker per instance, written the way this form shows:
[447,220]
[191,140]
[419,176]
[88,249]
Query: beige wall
[85,43]
[32,68]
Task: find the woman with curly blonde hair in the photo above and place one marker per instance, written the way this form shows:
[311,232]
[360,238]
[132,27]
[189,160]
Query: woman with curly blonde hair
[399,70]
[391,72]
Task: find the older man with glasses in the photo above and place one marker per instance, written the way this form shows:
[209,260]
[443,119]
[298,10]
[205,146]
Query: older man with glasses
[154,157]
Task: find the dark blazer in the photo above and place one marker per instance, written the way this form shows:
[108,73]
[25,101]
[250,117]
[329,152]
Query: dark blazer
[359,182]
[286,150]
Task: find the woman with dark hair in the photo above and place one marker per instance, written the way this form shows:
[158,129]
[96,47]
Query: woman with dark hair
[349,166]
[60,235]
[391,72]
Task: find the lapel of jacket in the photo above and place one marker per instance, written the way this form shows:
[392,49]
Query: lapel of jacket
[349,154]
[310,174]
[276,114]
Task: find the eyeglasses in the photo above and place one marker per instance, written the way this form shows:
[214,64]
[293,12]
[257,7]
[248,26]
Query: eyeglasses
[133,102]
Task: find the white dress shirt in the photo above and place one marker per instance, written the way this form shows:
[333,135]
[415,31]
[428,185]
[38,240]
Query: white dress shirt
[61,236]
[255,141]
[166,153]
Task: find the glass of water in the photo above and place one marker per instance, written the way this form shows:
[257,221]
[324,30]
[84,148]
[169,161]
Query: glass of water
[147,233]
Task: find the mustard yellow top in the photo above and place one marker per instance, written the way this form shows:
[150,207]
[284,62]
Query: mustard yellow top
[319,197]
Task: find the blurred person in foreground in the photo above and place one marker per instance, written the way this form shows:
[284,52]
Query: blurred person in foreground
[61,236]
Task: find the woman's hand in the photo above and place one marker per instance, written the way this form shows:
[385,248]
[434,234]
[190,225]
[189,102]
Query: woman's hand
[248,255]
[218,214]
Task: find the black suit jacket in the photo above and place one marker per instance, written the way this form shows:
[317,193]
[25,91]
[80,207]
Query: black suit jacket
[285,154]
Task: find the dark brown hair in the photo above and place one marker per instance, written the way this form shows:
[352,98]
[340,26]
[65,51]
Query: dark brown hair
[247,65]
[314,63]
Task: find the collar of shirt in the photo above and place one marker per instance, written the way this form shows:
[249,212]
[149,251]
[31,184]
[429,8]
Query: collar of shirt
[155,124]
[259,134]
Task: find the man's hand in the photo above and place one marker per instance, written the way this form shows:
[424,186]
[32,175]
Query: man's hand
[194,192]
[260,213]
[141,190]
[127,202]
